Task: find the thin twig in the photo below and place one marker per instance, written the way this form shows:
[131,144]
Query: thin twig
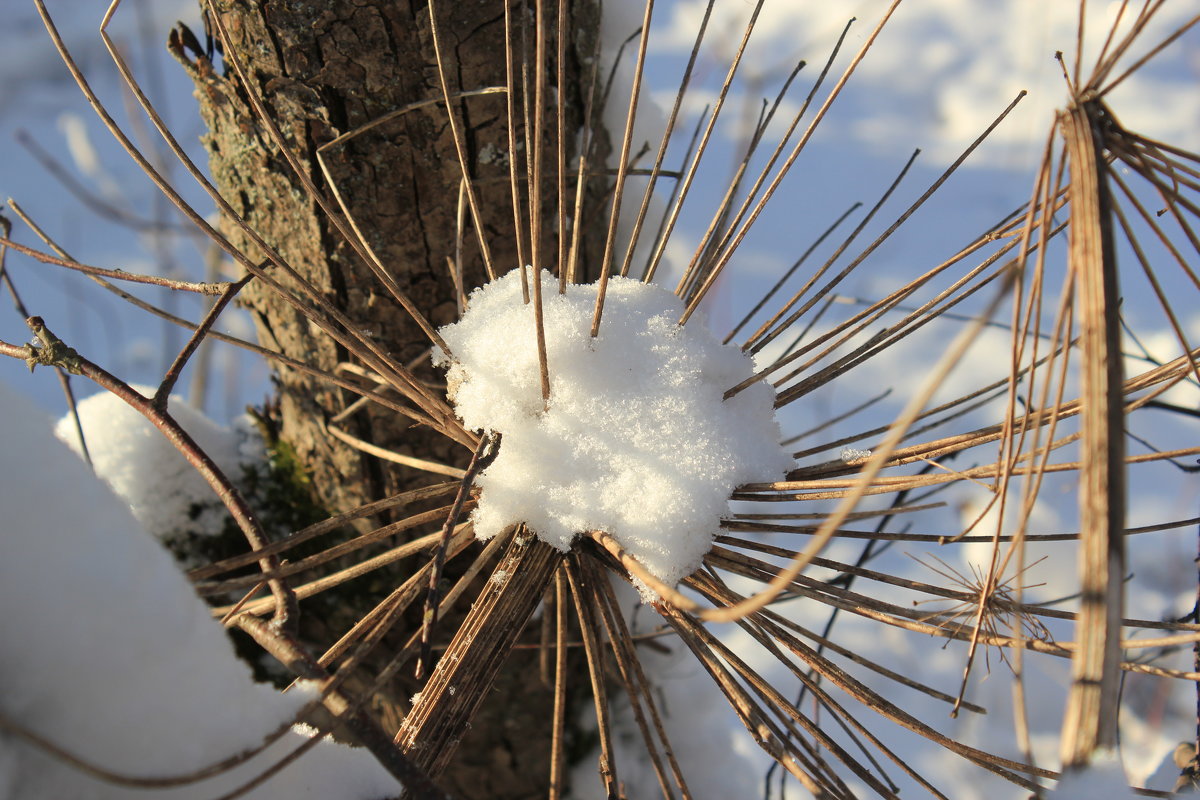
[118,274]
[55,352]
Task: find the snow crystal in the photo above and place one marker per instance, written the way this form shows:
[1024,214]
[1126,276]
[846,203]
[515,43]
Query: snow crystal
[637,440]
[851,455]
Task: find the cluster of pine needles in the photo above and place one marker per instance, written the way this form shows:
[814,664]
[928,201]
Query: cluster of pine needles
[1100,188]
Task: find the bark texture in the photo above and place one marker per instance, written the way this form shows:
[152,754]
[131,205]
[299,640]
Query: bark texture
[322,70]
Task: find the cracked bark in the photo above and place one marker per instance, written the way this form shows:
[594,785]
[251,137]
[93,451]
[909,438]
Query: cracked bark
[323,70]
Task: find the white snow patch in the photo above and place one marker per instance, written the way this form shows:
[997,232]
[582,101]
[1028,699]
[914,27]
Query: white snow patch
[110,655]
[638,439]
[166,494]
[1104,778]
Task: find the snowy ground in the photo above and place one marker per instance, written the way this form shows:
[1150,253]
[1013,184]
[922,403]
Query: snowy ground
[936,79]
[110,655]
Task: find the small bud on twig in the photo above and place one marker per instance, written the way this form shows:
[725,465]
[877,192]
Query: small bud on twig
[53,352]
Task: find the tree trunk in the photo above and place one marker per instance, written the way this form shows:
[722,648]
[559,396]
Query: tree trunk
[323,70]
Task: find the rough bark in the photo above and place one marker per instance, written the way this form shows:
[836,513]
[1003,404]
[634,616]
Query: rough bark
[322,70]
[326,72]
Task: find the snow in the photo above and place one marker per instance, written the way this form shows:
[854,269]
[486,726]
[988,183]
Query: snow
[1104,778]
[850,455]
[941,75]
[165,493]
[637,439]
[934,79]
[113,657]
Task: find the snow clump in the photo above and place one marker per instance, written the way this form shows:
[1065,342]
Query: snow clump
[166,494]
[638,440]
